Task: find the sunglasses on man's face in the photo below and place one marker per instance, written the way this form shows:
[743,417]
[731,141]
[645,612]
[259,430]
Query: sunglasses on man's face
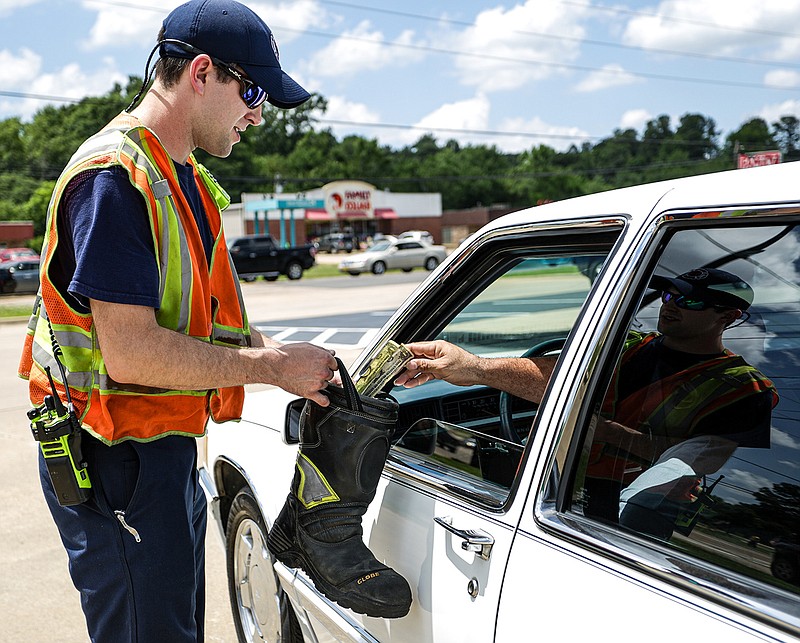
[252,95]
[681,301]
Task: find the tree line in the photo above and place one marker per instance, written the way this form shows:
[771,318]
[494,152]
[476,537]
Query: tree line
[292,148]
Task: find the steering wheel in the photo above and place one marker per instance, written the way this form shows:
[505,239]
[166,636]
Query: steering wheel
[542,349]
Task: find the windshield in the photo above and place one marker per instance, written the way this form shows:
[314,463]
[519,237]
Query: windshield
[379,246]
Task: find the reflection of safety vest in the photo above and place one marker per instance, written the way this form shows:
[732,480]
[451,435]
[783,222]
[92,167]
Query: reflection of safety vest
[197,299]
[683,400]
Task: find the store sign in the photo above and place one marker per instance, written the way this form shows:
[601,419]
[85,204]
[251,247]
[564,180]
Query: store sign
[756,159]
[349,199]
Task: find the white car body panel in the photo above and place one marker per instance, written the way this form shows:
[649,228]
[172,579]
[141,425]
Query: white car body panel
[537,571]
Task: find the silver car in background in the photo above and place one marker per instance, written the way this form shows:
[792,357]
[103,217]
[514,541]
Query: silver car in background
[393,254]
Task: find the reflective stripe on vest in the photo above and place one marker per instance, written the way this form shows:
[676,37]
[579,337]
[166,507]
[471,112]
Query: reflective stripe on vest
[685,398]
[195,299]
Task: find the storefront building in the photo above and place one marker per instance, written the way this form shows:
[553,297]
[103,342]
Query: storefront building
[353,207]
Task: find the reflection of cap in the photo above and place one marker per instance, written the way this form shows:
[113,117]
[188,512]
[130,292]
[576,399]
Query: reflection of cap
[709,285]
[233,33]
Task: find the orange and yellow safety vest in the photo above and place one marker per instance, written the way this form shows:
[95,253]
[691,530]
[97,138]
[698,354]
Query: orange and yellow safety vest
[197,299]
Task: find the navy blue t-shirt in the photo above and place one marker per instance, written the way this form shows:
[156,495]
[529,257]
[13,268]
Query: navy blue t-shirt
[107,252]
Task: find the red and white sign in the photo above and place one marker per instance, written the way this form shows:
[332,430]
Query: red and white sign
[757,159]
[349,199]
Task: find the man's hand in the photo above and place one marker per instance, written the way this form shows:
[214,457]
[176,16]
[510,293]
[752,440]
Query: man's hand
[303,369]
[439,360]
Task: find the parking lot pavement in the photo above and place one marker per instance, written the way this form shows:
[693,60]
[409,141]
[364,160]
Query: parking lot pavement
[37,600]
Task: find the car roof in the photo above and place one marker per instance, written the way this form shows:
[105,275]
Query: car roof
[758,185]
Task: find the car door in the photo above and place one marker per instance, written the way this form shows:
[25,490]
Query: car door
[408,254]
[447,508]
[692,529]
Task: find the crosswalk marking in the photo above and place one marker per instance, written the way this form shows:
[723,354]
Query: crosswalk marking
[321,336]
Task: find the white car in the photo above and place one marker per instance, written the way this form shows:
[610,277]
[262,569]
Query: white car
[482,503]
[392,254]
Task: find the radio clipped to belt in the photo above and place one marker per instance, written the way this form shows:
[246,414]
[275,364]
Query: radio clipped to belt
[58,431]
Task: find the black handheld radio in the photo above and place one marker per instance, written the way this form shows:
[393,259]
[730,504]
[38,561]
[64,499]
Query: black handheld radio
[58,432]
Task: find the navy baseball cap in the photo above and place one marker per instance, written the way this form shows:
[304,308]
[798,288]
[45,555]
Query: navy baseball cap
[710,285]
[233,33]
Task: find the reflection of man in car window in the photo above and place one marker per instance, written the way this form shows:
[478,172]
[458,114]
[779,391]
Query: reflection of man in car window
[678,406]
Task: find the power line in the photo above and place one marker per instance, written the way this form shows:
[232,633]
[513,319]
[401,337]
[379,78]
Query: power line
[544,63]
[588,41]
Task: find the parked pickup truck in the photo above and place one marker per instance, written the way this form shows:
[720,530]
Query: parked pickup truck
[260,254]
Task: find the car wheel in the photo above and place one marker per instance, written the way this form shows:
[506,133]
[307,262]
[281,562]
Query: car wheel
[407,269]
[354,273]
[249,278]
[271,278]
[261,609]
[294,270]
[783,569]
[431,263]
[378,268]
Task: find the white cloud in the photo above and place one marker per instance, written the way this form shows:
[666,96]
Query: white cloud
[288,19]
[772,113]
[717,26]
[9,6]
[341,109]
[538,132]
[782,78]
[635,119]
[472,113]
[611,75]
[499,37]
[68,82]
[119,26]
[362,49]
[16,71]
[783,439]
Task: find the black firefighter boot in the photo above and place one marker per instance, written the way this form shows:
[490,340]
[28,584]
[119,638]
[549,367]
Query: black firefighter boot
[338,467]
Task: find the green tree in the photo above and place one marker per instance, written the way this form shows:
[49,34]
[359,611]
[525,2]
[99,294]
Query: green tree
[786,133]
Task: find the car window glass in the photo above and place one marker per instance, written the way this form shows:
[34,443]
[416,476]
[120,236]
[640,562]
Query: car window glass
[476,436]
[683,445]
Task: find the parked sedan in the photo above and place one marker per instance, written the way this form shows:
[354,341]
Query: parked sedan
[391,254]
[19,276]
[486,504]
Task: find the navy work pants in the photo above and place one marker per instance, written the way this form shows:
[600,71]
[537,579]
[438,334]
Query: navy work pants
[136,548]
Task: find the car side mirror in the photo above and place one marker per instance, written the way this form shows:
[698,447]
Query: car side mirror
[291,429]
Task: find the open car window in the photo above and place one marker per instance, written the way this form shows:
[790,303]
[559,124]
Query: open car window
[516,301]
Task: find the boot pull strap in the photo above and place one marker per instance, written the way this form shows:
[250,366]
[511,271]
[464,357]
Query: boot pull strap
[353,398]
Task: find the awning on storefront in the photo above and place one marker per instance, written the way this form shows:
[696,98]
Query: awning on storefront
[317,215]
[385,213]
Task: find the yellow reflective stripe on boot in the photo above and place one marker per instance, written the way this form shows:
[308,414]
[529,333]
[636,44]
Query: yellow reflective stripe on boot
[313,489]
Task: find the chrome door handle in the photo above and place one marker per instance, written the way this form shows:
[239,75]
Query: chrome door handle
[475,540]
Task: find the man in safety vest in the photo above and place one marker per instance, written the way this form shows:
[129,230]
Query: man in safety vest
[140,324]
[678,406]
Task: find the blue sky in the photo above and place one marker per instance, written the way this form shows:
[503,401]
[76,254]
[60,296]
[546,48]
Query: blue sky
[552,72]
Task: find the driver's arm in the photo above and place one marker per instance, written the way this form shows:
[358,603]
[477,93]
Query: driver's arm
[524,377]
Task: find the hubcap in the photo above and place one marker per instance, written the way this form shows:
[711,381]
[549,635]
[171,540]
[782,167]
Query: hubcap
[256,586]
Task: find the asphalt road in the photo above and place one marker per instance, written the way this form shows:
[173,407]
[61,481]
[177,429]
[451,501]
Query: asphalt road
[37,600]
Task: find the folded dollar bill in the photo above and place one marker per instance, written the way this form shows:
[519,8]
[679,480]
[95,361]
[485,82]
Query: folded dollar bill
[383,368]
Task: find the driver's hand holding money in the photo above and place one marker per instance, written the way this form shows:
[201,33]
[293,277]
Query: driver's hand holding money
[439,360]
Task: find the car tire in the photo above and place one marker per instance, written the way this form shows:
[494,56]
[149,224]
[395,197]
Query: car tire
[354,273]
[249,278]
[261,609]
[407,269]
[378,268]
[431,263]
[272,278]
[294,271]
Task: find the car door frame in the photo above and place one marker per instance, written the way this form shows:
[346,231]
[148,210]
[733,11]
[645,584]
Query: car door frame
[615,566]
[428,544]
